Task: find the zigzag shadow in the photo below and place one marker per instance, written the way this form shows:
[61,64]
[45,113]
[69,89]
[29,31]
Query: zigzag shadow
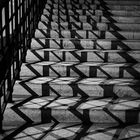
[83,57]
[84,117]
[90,131]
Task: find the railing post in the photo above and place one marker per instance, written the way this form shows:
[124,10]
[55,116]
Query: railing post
[17,26]
[1,123]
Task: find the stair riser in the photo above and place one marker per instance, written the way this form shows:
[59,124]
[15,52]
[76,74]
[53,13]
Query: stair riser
[80,71]
[93,7]
[87,34]
[82,90]
[85,44]
[81,116]
[83,56]
[91,12]
[90,19]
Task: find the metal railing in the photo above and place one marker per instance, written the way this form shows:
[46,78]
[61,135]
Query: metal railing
[18,20]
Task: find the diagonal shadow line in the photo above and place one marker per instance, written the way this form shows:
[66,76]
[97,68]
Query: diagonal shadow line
[83,132]
[32,92]
[113,116]
[105,58]
[116,34]
[33,70]
[20,113]
[133,137]
[47,24]
[92,20]
[37,55]
[51,6]
[64,13]
[47,34]
[18,131]
[115,43]
[47,131]
[49,18]
[77,43]
[91,12]
[135,89]
[95,34]
[107,74]
[55,71]
[83,117]
[61,18]
[58,95]
[127,57]
[46,113]
[61,26]
[81,74]
[131,71]
[60,59]
[59,33]
[75,18]
[117,133]
[62,6]
[40,42]
[77,90]
[78,27]
[74,34]
[82,58]
[88,4]
[58,44]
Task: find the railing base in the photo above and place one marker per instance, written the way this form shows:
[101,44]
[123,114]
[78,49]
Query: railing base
[2,131]
[1,125]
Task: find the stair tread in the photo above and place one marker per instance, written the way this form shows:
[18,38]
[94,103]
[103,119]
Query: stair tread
[49,91]
[86,39]
[90,34]
[89,26]
[78,103]
[86,23]
[70,131]
[84,50]
[91,18]
[52,63]
[79,80]
[87,31]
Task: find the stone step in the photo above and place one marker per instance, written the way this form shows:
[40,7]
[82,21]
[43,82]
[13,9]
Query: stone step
[77,12]
[119,7]
[76,86]
[113,2]
[88,34]
[75,110]
[90,19]
[70,131]
[93,6]
[86,55]
[116,2]
[105,44]
[76,69]
[89,26]
[69,6]
[125,13]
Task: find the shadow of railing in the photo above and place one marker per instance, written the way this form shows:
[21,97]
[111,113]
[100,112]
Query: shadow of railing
[91,129]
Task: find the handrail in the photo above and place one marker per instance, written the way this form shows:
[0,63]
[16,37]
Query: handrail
[18,20]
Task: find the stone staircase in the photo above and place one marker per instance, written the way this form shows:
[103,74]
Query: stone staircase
[81,76]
